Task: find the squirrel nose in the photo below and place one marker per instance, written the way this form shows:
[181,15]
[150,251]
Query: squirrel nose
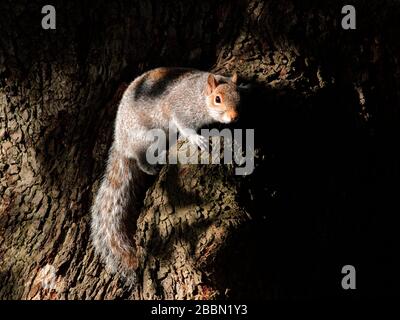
[234,116]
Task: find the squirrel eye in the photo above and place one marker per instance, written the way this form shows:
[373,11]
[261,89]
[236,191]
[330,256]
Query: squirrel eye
[217,99]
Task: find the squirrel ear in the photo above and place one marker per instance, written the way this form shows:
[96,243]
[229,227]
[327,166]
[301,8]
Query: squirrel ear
[211,84]
[234,78]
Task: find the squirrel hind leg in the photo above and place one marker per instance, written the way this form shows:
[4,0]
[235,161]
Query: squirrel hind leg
[144,165]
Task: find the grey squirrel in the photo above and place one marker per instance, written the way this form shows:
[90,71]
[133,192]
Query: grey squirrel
[187,98]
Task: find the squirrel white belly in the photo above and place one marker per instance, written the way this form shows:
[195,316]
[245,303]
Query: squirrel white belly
[186,98]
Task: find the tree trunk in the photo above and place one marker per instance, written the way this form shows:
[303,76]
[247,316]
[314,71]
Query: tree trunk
[322,100]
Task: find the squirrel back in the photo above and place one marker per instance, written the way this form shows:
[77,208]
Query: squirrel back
[187,98]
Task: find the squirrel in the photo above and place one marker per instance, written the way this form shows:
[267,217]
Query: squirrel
[187,98]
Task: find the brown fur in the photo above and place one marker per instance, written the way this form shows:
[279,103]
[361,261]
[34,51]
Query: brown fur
[145,120]
[166,110]
[128,259]
[114,176]
[158,73]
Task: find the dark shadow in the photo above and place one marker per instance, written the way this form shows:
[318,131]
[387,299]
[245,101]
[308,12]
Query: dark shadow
[315,201]
[8,285]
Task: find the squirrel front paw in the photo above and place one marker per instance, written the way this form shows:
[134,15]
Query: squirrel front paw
[198,140]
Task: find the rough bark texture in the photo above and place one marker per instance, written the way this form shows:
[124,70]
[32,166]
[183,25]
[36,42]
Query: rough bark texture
[325,109]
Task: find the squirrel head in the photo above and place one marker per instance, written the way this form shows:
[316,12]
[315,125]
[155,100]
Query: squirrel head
[223,99]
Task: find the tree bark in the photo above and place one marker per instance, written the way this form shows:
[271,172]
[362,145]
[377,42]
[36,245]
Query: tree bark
[322,101]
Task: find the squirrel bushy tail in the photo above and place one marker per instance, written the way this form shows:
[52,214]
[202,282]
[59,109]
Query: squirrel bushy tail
[112,214]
